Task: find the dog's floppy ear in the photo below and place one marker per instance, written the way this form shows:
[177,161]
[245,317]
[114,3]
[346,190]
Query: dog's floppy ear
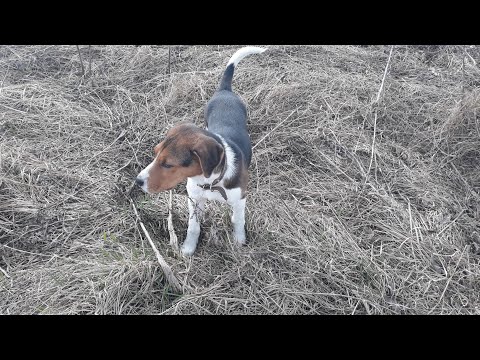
[210,153]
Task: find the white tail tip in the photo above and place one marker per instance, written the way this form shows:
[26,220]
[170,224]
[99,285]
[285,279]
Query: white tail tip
[245,51]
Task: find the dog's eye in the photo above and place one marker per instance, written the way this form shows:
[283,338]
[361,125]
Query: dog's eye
[167,166]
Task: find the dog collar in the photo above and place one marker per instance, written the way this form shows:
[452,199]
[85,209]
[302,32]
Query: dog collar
[212,186]
[220,189]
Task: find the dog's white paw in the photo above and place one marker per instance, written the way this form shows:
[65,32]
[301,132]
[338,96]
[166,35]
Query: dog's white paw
[190,243]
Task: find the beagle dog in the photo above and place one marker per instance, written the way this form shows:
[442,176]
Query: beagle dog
[214,160]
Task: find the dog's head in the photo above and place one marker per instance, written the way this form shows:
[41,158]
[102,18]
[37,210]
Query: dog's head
[186,151]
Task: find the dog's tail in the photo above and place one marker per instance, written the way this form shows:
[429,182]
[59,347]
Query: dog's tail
[226,83]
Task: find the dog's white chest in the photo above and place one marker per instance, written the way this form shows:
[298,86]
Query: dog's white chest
[196,192]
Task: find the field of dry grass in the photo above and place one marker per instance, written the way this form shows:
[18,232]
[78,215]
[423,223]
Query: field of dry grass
[354,206]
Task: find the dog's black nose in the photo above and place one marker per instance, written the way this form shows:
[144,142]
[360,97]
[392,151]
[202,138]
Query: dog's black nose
[139,181]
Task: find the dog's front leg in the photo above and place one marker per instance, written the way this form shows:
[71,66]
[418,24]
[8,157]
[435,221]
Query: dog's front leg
[195,211]
[238,221]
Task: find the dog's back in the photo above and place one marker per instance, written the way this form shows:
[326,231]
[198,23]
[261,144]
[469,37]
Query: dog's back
[226,114]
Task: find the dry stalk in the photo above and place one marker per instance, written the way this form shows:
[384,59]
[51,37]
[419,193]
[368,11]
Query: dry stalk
[172,280]
[376,104]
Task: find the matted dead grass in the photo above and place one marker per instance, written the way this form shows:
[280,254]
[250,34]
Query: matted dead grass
[321,239]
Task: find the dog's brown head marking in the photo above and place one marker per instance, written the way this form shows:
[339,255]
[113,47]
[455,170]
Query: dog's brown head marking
[186,151]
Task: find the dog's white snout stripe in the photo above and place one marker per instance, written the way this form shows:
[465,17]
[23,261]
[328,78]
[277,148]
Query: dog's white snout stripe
[143,176]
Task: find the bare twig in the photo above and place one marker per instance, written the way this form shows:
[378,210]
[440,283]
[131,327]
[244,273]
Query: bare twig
[172,280]
[376,102]
[90,60]
[463,73]
[169,55]
[384,75]
[81,61]
[275,128]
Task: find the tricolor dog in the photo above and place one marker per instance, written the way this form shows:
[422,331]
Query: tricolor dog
[214,160]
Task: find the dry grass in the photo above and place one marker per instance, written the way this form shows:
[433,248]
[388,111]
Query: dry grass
[321,239]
